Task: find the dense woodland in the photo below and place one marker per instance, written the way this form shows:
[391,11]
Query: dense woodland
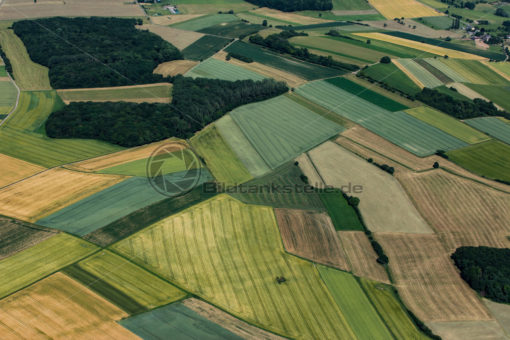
[280,43]
[295,5]
[94,52]
[486,270]
[196,103]
[460,109]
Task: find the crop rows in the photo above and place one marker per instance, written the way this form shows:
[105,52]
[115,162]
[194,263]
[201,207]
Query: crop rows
[217,69]
[492,126]
[423,76]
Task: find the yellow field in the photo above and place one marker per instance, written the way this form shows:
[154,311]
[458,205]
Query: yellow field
[179,38]
[290,17]
[408,73]
[14,169]
[49,191]
[57,308]
[403,8]
[420,46]
[175,67]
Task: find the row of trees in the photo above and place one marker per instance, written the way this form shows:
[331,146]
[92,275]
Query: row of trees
[94,52]
[196,103]
[295,5]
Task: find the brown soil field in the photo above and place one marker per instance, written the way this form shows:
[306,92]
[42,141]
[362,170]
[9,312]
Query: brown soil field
[307,167]
[361,256]
[291,17]
[472,330]
[311,235]
[14,169]
[179,38]
[384,204]
[225,320]
[118,158]
[27,9]
[49,191]
[60,308]
[16,236]
[175,67]
[291,79]
[166,20]
[427,280]
[462,212]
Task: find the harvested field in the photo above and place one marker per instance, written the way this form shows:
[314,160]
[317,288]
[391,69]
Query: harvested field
[501,312]
[205,47]
[420,46]
[290,17]
[238,142]
[236,326]
[308,169]
[403,8]
[361,256]
[219,158]
[14,169]
[384,204]
[233,253]
[217,69]
[27,74]
[32,264]
[151,93]
[474,71]
[27,9]
[166,20]
[177,37]
[492,126]
[474,330]
[16,236]
[419,72]
[427,280]
[281,129]
[49,191]
[59,307]
[174,67]
[480,220]
[311,235]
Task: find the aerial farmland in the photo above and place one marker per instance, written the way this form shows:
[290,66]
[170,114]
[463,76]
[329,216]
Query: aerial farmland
[254,169]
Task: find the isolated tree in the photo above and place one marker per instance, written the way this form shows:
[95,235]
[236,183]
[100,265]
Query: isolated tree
[385,60]
[264,23]
[436,165]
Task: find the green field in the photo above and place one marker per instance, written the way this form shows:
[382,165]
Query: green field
[138,284]
[280,129]
[217,69]
[369,95]
[3,71]
[391,310]
[448,124]
[452,92]
[23,136]
[320,110]
[445,69]
[256,18]
[343,17]
[424,76]
[359,312]
[300,68]
[489,159]
[350,5]
[27,74]
[33,264]
[499,95]
[232,29]
[205,21]
[443,78]
[492,126]
[286,177]
[392,76]
[398,127]
[229,253]
[219,158]
[438,23]
[342,214]
[204,47]
[211,6]
[177,320]
[238,142]
[475,72]
[118,94]
[8,94]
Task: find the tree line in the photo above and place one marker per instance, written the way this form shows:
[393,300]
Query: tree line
[195,103]
[295,5]
[95,52]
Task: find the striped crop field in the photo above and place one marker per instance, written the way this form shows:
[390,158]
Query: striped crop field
[501,68]
[499,95]
[448,124]
[420,73]
[36,262]
[403,8]
[14,169]
[350,297]
[392,76]
[475,72]
[419,45]
[233,254]
[205,21]
[281,129]
[448,71]
[205,47]
[492,126]
[137,93]
[398,127]
[217,69]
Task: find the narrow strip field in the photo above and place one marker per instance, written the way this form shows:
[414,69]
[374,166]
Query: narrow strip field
[217,69]
[59,305]
[43,194]
[427,280]
[392,76]
[499,95]
[424,76]
[403,8]
[492,126]
[384,204]
[281,129]
[14,169]
[448,71]
[34,263]
[474,72]
[311,235]
[141,93]
[398,127]
[481,219]
[229,254]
